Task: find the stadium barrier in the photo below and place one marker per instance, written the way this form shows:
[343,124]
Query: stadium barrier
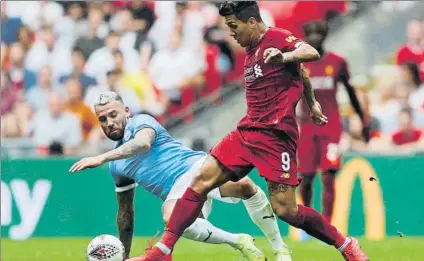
[40,199]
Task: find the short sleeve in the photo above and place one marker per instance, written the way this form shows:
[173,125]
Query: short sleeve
[122,183]
[145,121]
[290,42]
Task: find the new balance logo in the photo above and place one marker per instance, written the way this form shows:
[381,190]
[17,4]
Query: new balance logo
[258,71]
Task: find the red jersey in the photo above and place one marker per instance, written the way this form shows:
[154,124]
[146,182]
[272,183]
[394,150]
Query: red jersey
[272,91]
[401,138]
[406,54]
[325,75]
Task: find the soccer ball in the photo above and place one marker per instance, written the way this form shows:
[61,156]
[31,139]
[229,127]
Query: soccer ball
[105,248]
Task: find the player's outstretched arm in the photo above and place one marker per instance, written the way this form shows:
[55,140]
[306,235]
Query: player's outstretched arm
[141,143]
[303,53]
[356,105]
[308,93]
[125,218]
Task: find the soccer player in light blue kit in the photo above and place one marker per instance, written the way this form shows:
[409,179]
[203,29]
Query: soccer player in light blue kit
[146,155]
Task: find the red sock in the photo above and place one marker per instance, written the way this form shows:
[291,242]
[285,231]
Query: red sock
[306,189]
[317,226]
[328,179]
[185,212]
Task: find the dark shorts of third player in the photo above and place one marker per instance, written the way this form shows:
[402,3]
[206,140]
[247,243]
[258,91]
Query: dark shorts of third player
[272,152]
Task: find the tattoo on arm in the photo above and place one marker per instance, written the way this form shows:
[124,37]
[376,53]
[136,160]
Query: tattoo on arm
[304,53]
[276,188]
[140,144]
[308,92]
[125,218]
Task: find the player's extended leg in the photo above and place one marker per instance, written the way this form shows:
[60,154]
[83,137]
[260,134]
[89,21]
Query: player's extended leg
[328,182]
[211,175]
[202,230]
[260,211]
[283,201]
[306,188]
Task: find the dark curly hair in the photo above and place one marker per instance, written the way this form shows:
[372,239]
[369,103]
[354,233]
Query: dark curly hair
[243,10]
[318,26]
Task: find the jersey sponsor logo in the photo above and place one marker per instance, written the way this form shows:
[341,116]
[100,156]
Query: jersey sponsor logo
[252,73]
[326,83]
[127,135]
[285,175]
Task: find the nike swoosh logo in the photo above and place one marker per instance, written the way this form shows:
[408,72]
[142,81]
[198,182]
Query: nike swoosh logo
[209,236]
[268,217]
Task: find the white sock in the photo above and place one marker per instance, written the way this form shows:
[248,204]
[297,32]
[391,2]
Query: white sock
[260,211]
[347,241]
[203,231]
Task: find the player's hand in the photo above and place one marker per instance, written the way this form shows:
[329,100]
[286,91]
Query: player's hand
[273,55]
[317,116]
[87,163]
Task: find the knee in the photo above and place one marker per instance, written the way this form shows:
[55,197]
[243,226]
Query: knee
[166,217]
[202,184]
[245,188]
[285,212]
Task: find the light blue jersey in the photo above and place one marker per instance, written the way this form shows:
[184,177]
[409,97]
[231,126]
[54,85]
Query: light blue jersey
[157,170]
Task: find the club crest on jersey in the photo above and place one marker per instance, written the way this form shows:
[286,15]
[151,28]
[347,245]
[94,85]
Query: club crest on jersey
[127,135]
[329,70]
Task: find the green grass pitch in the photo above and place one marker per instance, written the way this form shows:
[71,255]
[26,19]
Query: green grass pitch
[73,249]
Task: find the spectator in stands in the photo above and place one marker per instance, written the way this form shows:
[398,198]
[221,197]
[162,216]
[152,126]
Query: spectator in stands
[113,84]
[102,61]
[25,37]
[411,78]
[176,68]
[217,34]
[180,14]
[140,84]
[9,27]
[387,108]
[89,124]
[133,39]
[55,125]
[78,62]
[37,97]
[3,56]
[46,52]
[143,15]
[96,31]
[70,26]
[413,50]
[20,76]
[408,137]
[8,94]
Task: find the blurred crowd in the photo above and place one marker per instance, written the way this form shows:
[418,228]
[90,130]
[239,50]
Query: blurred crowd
[161,57]
[57,57]
[393,102]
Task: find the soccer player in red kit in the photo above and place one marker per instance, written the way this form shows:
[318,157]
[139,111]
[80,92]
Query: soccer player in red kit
[319,145]
[266,138]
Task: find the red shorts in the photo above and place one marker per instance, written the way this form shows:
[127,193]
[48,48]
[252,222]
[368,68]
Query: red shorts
[318,151]
[272,152]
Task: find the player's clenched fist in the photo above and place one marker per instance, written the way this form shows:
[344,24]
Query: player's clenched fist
[317,116]
[273,55]
[86,163]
